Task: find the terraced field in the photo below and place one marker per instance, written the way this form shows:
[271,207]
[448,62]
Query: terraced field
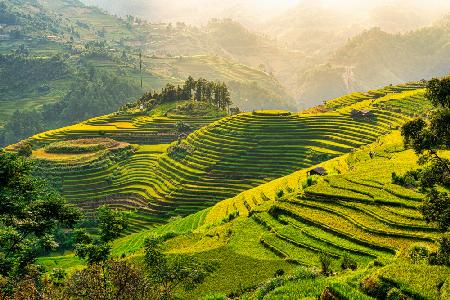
[219,160]
[360,212]
[354,212]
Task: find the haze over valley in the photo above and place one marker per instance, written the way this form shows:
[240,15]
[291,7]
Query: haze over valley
[224,150]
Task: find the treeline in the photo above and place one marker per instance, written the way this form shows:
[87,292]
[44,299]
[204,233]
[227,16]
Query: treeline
[201,90]
[93,93]
[20,69]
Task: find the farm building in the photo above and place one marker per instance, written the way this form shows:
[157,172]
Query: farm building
[368,114]
[321,171]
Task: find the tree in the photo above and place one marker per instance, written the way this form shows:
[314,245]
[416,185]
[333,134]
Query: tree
[182,127]
[111,224]
[168,272]
[189,85]
[25,149]
[427,138]
[30,213]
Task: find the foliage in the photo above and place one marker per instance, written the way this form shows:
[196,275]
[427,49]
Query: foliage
[409,180]
[418,253]
[168,272]
[24,149]
[201,90]
[348,263]
[114,280]
[436,208]
[96,93]
[179,151]
[30,214]
[438,92]
[182,127]
[111,223]
[427,138]
[325,263]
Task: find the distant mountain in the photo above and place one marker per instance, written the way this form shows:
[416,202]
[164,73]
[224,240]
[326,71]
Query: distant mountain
[376,58]
[196,12]
[313,28]
[48,47]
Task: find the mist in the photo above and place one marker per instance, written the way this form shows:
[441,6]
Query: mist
[397,15]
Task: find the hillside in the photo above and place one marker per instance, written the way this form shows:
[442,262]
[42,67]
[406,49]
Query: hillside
[73,40]
[164,177]
[288,223]
[377,58]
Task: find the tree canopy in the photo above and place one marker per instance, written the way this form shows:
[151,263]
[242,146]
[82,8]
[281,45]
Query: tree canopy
[201,90]
[427,137]
[30,213]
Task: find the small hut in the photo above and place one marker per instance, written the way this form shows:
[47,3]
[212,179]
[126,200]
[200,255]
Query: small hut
[321,171]
[362,114]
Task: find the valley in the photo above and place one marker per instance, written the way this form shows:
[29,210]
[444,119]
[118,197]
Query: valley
[213,150]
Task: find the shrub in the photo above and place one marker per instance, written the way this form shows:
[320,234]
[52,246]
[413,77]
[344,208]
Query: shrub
[24,149]
[442,256]
[231,216]
[396,294]
[279,194]
[418,253]
[327,294]
[375,287]
[409,180]
[310,181]
[179,151]
[348,263]
[325,263]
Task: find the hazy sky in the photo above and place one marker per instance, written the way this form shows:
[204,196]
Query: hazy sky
[259,11]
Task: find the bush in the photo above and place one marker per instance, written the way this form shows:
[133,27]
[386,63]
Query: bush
[279,194]
[375,287]
[396,294]
[327,294]
[24,149]
[279,272]
[410,179]
[179,151]
[348,263]
[230,217]
[418,253]
[325,263]
[310,181]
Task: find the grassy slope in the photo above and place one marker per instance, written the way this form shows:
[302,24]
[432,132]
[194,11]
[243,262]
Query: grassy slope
[367,217]
[251,248]
[223,158]
[152,38]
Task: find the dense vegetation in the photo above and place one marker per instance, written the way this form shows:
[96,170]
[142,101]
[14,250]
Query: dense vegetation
[201,90]
[359,230]
[181,175]
[50,49]
[92,94]
[178,195]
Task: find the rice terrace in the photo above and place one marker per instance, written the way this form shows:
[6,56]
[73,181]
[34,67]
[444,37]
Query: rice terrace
[257,150]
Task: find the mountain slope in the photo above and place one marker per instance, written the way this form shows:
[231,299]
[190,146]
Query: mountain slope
[376,58]
[225,157]
[48,47]
[290,222]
